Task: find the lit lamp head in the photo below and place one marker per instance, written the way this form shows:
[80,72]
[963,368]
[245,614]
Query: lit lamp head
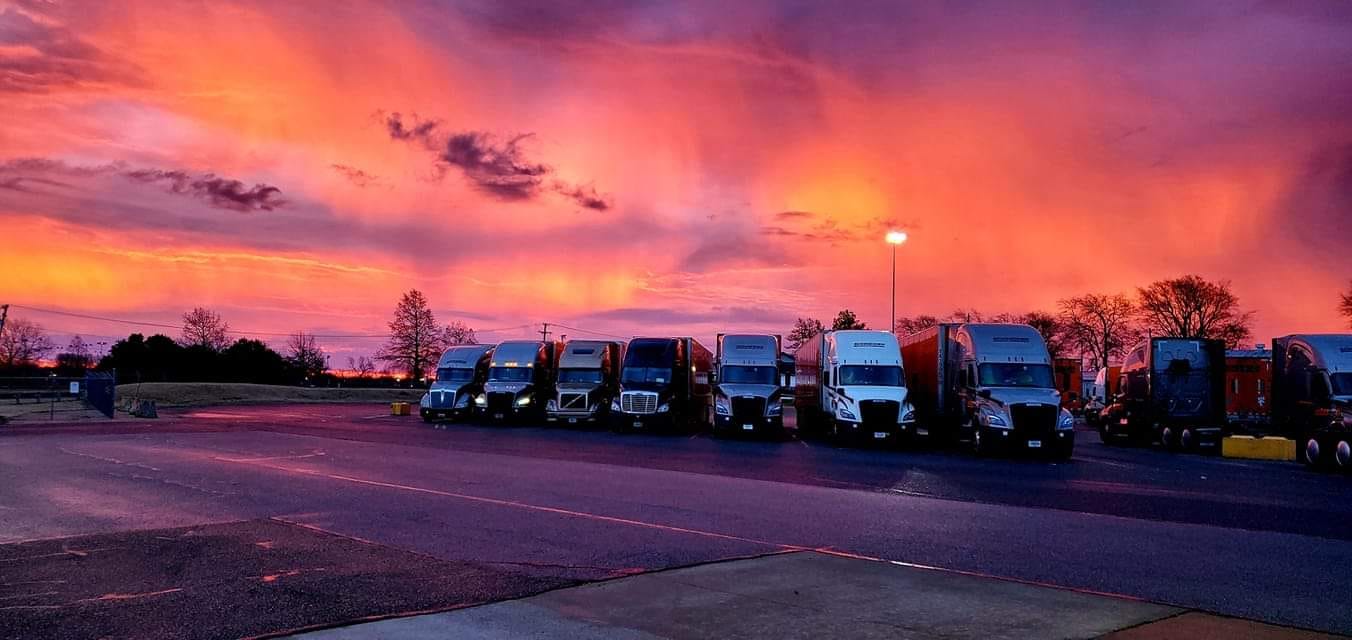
[896,237]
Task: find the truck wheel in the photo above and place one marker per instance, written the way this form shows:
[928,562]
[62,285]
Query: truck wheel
[1342,455]
[1106,438]
[979,446]
[1169,439]
[1312,453]
[1187,440]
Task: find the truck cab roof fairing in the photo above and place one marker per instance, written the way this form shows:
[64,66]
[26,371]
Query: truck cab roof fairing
[993,342]
[1329,351]
[862,347]
[518,353]
[585,354]
[750,350]
[463,355]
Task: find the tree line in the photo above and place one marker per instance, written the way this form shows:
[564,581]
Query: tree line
[205,351]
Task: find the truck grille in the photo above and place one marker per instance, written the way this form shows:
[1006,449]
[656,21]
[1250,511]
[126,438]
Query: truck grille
[500,402]
[750,408]
[1034,420]
[638,402]
[879,411]
[574,401]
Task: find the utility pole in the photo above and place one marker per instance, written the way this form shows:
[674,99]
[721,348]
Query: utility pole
[544,333]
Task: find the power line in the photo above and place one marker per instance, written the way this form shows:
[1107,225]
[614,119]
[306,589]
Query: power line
[599,333]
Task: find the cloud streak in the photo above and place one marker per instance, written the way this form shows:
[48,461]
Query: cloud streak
[218,192]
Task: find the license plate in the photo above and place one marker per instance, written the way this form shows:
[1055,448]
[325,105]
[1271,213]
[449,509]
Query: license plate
[1034,444]
[1122,421]
[922,432]
[748,427]
[572,421]
[638,424]
[879,434]
[497,416]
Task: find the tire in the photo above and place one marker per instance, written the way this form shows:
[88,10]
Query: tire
[1063,454]
[1312,452]
[1106,438]
[1342,455]
[1170,439]
[979,447]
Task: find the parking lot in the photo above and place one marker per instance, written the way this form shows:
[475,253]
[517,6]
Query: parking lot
[344,512]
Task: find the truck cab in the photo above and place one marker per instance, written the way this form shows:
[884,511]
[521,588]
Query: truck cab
[851,386]
[520,380]
[461,374]
[664,383]
[1312,396]
[588,381]
[1172,392]
[1007,391]
[747,391]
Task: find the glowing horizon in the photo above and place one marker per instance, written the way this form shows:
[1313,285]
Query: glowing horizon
[665,170]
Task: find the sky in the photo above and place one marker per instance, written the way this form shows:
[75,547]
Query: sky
[687,168]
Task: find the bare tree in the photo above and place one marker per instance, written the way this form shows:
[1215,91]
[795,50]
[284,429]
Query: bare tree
[23,342]
[804,329]
[1192,307]
[458,332]
[1102,326]
[966,315]
[203,327]
[415,339]
[1346,307]
[846,320]
[362,365]
[1052,330]
[905,326]
[305,354]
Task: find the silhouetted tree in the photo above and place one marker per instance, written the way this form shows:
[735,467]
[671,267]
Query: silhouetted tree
[804,329]
[23,342]
[1053,332]
[362,365]
[75,360]
[254,361]
[905,326]
[1346,307]
[204,328]
[1102,326]
[458,332]
[845,320]
[415,339]
[1192,307]
[305,355]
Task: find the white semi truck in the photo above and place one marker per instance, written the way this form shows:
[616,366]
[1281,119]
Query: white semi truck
[850,386]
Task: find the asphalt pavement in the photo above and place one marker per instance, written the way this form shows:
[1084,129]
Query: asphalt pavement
[517,511]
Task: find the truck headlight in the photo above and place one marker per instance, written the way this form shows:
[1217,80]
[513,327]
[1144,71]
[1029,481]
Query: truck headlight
[908,415]
[523,401]
[1066,421]
[481,400]
[776,408]
[994,418]
[426,401]
[721,407]
[615,405]
[663,408]
[845,413]
[462,401]
[551,405]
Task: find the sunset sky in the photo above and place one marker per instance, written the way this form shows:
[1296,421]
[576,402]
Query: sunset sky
[646,168]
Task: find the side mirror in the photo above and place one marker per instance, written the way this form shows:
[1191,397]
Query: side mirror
[985,393]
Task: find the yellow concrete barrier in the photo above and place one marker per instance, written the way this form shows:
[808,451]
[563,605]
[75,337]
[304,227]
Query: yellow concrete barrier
[1258,448]
[401,409]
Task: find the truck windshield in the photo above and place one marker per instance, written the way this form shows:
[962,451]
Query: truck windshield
[1013,374]
[1342,383]
[743,374]
[870,375]
[455,374]
[590,376]
[509,374]
[646,374]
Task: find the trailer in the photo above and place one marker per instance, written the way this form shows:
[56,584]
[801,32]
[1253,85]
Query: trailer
[587,382]
[1173,392]
[665,383]
[1248,385]
[1312,396]
[461,374]
[1070,382]
[747,390]
[990,385]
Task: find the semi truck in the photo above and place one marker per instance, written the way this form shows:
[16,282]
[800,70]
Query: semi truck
[747,389]
[1248,387]
[1172,392]
[588,380]
[665,383]
[1107,384]
[850,386]
[520,380]
[461,373]
[990,385]
[1312,396]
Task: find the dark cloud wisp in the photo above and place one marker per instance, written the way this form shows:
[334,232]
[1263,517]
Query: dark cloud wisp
[494,165]
[223,193]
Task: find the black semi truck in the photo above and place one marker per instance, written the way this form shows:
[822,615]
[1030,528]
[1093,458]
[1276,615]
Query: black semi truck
[1172,392]
[665,383]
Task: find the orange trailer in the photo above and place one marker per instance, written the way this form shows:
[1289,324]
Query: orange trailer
[1069,382]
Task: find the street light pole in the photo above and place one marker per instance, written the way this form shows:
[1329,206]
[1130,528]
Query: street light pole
[894,238]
